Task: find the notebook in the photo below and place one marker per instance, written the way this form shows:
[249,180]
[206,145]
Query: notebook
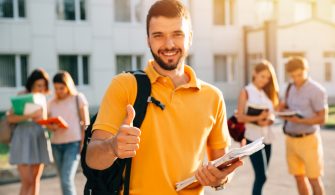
[54,120]
[288,113]
[19,102]
[227,159]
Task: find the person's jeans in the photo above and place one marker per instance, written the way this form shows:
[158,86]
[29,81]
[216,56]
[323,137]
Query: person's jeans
[260,163]
[67,159]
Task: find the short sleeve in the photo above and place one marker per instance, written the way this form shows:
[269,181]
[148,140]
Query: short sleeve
[82,100]
[49,106]
[112,111]
[319,100]
[219,137]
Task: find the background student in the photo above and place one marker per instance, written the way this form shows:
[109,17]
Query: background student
[30,148]
[66,143]
[261,92]
[304,151]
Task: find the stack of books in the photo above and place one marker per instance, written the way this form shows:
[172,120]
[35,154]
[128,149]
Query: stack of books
[28,103]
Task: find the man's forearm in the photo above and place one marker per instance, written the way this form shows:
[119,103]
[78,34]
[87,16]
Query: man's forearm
[100,154]
[318,120]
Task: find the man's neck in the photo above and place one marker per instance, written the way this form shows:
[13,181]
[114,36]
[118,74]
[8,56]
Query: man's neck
[177,75]
[299,85]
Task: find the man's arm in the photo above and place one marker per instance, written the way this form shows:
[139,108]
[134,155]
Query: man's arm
[104,147]
[319,119]
[100,154]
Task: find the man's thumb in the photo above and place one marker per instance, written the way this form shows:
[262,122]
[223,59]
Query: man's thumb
[130,115]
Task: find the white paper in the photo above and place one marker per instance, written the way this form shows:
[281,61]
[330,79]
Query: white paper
[30,108]
[234,153]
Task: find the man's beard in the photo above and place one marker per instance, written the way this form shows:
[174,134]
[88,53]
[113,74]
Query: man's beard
[164,65]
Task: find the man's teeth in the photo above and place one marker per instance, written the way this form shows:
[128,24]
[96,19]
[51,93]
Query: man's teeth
[170,53]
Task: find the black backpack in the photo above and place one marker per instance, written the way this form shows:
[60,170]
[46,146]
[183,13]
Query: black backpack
[110,180]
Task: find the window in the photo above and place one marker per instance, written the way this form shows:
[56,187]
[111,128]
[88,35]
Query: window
[128,11]
[71,9]
[77,66]
[223,12]
[128,62]
[287,56]
[329,70]
[265,10]
[225,68]
[12,9]
[13,70]
[303,10]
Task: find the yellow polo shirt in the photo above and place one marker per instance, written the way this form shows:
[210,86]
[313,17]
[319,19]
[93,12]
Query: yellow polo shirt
[173,140]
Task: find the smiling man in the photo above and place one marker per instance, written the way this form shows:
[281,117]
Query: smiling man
[171,143]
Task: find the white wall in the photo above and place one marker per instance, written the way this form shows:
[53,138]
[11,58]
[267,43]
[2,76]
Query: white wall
[43,37]
[313,38]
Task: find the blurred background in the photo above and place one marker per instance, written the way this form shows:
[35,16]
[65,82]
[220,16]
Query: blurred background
[96,39]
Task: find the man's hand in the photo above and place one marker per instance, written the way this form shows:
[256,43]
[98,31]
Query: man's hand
[126,142]
[209,175]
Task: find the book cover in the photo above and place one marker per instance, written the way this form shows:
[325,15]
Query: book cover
[59,121]
[288,113]
[254,110]
[19,102]
[30,108]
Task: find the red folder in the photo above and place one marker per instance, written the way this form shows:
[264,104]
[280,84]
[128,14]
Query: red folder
[54,120]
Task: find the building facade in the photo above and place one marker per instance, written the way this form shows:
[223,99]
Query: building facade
[96,39]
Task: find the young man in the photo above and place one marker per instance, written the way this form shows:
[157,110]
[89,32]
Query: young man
[171,144]
[303,142]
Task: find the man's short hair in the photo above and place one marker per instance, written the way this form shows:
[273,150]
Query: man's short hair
[296,63]
[169,9]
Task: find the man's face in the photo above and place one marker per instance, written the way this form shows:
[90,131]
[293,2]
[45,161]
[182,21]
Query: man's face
[169,41]
[298,76]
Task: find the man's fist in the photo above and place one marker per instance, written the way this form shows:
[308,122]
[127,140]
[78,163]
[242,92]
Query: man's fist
[126,142]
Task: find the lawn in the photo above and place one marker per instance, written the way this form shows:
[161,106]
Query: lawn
[3,156]
[331,119]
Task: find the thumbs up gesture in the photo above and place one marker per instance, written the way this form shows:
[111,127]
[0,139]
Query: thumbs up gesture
[126,141]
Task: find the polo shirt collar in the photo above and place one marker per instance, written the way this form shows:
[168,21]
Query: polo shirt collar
[154,76]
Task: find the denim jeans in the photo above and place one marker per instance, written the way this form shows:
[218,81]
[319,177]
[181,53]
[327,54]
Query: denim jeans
[67,159]
[260,163]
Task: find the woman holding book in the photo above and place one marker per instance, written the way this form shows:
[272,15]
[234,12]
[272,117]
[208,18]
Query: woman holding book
[30,148]
[256,104]
[71,107]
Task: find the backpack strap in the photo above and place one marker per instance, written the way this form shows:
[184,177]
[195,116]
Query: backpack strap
[140,106]
[286,106]
[287,93]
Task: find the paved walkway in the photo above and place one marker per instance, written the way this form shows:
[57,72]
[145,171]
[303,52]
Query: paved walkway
[279,182]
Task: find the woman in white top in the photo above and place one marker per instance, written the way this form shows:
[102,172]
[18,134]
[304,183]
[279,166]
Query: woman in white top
[261,93]
[66,143]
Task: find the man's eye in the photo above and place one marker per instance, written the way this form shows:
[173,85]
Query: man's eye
[158,36]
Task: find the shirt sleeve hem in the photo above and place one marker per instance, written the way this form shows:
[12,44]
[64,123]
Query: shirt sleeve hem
[105,127]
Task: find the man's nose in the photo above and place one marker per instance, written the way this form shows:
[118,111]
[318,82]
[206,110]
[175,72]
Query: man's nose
[169,43]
